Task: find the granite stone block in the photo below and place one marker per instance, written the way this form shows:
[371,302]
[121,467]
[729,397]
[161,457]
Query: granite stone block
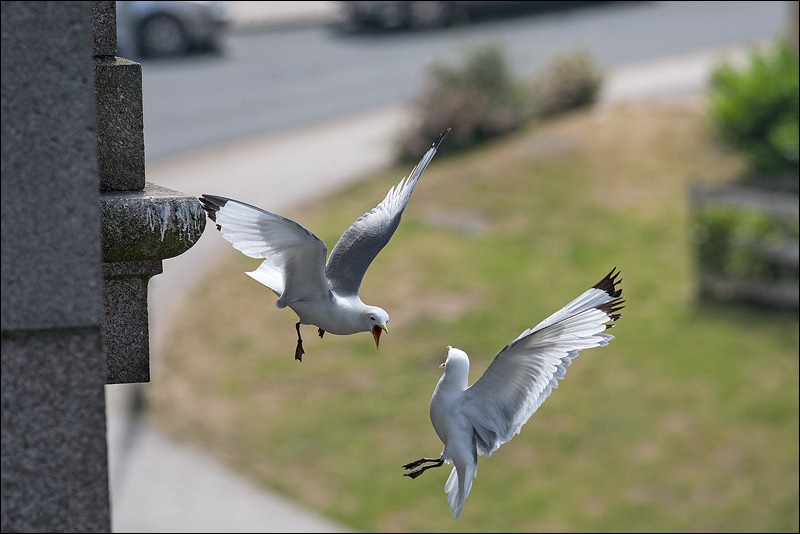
[104,28]
[55,459]
[125,329]
[50,191]
[120,120]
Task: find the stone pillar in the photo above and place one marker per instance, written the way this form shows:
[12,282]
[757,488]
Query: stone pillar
[54,459]
[142,223]
[82,233]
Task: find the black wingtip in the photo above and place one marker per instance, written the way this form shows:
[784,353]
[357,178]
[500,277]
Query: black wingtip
[440,138]
[212,204]
[609,284]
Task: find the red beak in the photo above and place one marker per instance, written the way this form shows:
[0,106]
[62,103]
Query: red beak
[376,333]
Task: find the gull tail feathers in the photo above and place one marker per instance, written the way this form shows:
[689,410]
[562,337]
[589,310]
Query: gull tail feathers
[458,486]
[271,276]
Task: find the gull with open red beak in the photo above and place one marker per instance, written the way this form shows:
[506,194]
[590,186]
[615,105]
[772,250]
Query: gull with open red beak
[323,294]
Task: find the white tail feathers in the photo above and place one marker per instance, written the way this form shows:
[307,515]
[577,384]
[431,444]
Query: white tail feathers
[458,486]
[269,275]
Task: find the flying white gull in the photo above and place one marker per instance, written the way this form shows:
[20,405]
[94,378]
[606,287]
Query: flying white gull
[478,419]
[294,267]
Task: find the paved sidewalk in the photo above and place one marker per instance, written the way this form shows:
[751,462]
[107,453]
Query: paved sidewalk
[163,486]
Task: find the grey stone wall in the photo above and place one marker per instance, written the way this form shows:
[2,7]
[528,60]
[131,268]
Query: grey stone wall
[82,234]
[54,459]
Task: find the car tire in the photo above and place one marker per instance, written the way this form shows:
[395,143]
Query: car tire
[162,35]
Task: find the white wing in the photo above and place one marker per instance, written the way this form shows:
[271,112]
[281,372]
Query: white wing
[525,371]
[366,237]
[294,258]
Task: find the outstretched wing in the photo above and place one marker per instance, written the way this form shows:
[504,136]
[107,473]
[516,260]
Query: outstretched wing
[525,371]
[294,258]
[366,237]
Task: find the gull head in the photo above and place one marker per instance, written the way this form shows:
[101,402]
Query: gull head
[375,320]
[455,358]
[456,369]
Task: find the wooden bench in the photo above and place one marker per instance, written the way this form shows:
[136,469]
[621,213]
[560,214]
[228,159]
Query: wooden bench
[779,254]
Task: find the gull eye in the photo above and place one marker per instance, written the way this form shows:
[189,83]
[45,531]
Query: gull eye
[371,317]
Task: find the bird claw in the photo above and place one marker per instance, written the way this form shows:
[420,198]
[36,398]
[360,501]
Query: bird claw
[434,462]
[321,332]
[298,352]
[415,463]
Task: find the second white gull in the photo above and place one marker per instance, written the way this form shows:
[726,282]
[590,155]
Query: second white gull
[477,419]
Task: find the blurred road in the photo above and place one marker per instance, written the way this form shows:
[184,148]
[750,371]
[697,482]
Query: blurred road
[158,485]
[283,79]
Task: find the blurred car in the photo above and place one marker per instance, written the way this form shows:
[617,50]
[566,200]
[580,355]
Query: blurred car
[160,29]
[432,14]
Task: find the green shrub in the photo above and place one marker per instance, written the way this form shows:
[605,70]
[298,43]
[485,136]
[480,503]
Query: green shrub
[571,80]
[479,100]
[754,110]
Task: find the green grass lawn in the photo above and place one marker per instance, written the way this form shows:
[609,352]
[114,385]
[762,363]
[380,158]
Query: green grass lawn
[687,421]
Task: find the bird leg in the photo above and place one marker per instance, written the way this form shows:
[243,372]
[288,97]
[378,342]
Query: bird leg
[416,463]
[434,462]
[321,332]
[298,352]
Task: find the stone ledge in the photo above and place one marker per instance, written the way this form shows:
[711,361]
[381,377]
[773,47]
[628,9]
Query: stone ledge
[153,224]
[139,229]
